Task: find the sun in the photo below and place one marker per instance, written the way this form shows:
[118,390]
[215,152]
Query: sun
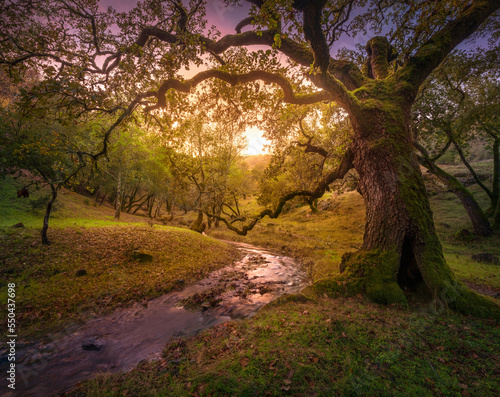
[256,141]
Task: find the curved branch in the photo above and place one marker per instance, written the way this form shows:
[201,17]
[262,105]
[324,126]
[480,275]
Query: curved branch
[471,170]
[345,165]
[313,32]
[345,71]
[233,79]
[310,148]
[442,151]
[245,22]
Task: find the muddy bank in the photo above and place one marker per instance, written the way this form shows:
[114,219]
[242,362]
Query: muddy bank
[119,341]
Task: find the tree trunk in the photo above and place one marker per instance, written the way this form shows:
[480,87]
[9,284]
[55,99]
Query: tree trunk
[118,203]
[48,210]
[401,252]
[102,200]
[198,225]
[496,217]
[495,197]
[151,204]
[476,215]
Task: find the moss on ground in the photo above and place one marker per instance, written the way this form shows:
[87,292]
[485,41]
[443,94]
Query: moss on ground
[344,347]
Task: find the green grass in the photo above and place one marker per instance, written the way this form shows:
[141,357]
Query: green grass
[340,347]
[70,209]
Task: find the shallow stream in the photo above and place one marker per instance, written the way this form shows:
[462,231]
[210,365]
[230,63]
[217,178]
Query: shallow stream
[119,341]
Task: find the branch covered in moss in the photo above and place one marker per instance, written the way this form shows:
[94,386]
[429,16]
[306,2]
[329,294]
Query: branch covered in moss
[437,48]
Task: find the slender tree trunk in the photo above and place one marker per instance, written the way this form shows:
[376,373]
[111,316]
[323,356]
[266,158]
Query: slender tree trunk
[401,250]
[102,200]
[476,215]
[151,204]
[169,204]
[236,204]
[118,203]
[96,193]
[48,210]
[496,177]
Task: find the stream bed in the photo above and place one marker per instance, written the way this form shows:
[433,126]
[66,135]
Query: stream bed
[119,341]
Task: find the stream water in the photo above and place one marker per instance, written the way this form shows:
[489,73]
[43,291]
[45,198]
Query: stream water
[119,341]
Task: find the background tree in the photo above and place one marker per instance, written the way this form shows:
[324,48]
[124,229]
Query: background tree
[457,107]
[307,144]
[46,152]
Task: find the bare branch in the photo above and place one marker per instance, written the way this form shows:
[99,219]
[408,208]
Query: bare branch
[310,148]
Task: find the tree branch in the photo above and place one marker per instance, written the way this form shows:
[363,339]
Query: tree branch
[345,165]
[471,170]
[233,79]
[309,147]
[435,50]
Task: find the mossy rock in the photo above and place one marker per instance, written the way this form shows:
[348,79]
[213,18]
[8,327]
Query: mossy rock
[464,235]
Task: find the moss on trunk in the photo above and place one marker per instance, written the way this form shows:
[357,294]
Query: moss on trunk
[401,253]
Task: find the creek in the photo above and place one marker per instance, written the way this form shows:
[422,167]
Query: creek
[119,341]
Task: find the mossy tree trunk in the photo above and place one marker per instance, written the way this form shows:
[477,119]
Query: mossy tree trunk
[401,251]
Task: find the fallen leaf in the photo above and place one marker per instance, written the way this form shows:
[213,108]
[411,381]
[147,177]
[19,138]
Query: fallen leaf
[244,361]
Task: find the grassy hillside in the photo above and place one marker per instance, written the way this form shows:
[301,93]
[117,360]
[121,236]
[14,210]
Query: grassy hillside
[70,209]
[94,263]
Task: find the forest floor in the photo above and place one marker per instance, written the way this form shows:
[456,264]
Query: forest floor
[342,346]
